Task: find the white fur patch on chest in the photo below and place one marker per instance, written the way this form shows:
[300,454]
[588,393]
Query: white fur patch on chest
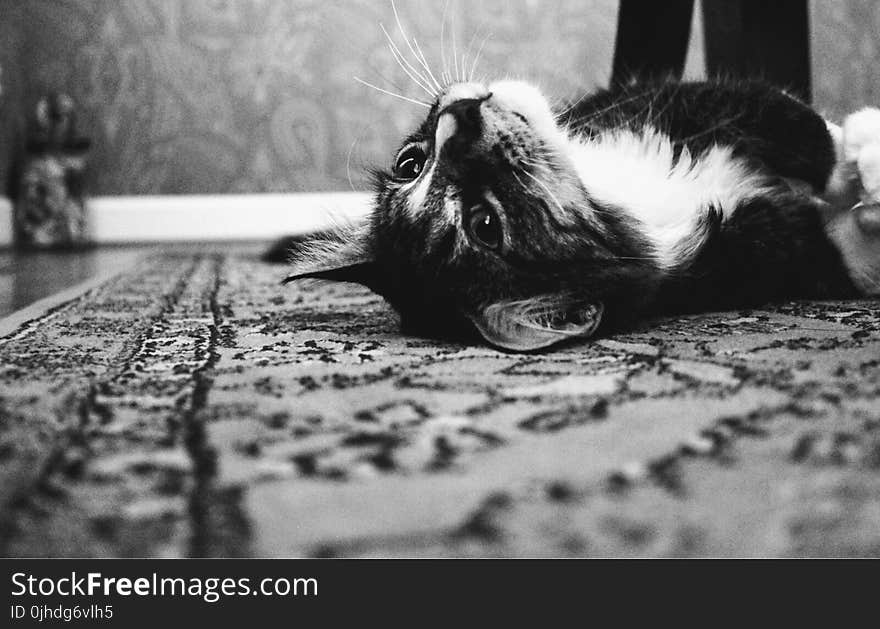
[639,173]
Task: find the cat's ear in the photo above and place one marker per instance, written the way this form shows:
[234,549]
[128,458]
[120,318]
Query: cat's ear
[341,255]
[533,324]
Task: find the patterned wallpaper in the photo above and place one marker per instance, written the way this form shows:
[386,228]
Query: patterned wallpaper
[198,96]
[846,50]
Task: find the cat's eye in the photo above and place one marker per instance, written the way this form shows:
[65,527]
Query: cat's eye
[485,227]
[410,162]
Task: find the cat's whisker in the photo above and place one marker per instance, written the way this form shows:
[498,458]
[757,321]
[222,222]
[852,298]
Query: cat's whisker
[425,88]
[654,117]
[444,74]
[546,189]
[585,122]
[454,47]
[424,61]
[384,91]
[464,56]
[540,152]
[407,67]
[348,163]
[571,107]
[648,110]
[520,181]
[391,82]
[408,44]
[712,129]
[477,56]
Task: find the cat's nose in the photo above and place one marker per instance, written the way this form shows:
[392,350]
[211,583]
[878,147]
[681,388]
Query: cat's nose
[466,113]
[460,122]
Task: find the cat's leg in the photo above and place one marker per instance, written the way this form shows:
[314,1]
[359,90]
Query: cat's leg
[853,192]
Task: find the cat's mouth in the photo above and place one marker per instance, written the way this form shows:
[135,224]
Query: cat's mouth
[534,324]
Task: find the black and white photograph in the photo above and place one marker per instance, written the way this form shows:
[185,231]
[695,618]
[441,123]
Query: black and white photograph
[438,279]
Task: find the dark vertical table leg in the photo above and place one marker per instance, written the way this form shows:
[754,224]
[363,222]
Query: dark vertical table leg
[756,38]
[652,39]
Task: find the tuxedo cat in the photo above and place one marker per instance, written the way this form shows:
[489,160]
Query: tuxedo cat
[528,226]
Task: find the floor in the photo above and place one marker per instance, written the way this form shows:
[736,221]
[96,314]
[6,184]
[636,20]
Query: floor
[192,406]
[27,276]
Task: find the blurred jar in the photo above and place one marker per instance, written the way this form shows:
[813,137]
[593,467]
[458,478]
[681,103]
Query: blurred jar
[49,195]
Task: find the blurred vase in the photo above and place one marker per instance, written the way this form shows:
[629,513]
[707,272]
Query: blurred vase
[50,191]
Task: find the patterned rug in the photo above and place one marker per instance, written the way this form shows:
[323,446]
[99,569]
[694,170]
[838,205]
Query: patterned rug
[191,406]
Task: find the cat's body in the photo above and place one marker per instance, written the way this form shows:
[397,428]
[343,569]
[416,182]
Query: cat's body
[532,227]
[758,162]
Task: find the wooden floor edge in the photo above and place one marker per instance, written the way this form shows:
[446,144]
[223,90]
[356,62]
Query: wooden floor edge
[14,320]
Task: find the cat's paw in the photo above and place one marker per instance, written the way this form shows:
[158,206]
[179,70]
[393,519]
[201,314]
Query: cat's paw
[868,220]
[861,148]
[857,236]
[853,194]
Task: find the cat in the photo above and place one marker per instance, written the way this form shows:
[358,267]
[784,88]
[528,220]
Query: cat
[531,227]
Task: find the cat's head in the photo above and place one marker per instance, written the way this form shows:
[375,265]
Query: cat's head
[483,223]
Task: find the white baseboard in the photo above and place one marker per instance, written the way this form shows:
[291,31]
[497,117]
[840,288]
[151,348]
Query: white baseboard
[131,219]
